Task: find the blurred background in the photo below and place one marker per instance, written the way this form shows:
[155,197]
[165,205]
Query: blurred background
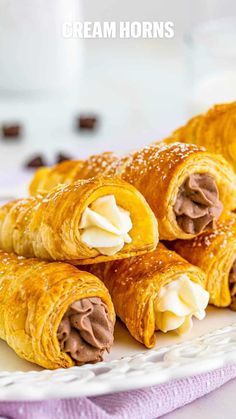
[133,91]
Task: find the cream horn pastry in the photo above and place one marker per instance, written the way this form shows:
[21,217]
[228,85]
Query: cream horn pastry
[52,314]
[69,171]
[187,187]
[155,291]
[215,130]
[85,222]
[215,253]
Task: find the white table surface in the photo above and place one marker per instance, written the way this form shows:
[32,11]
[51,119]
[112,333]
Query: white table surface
[141,95]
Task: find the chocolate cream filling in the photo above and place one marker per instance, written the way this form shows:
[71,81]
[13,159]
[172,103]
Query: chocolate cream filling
[86,331]
[232,286]
[197,206]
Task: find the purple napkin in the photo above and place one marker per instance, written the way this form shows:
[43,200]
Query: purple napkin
[147,403]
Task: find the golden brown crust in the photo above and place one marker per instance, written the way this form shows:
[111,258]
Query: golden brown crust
[34,296]
[158,171]
[134,284]
[47,178]
[215,254]
[215,130]
[47,226]
[70,171]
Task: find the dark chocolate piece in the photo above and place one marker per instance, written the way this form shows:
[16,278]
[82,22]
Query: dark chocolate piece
[60,157]
[35,162]
[11,131]
[87,122]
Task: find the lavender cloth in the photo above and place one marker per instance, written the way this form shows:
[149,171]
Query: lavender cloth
[147,403]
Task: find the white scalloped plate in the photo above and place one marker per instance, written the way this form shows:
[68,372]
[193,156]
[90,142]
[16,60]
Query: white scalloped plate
[211,344]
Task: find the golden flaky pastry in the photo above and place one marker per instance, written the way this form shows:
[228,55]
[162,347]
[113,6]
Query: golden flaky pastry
[215,130]
[161,173]
[48,226]
[70,171]
[34,297]
[215,254]
[135,283]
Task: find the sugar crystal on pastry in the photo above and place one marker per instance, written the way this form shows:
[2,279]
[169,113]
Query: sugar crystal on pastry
[159,172]
[154,291]
[53,314]
[87,221]
[215,130]
[215,253]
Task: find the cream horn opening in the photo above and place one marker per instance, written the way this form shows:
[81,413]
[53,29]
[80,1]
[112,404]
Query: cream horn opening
[104,226]
[176,304]
[232,286]
[86,331]
[197,206]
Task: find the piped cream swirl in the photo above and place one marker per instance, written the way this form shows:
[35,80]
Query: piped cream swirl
[105,226]
[176,304]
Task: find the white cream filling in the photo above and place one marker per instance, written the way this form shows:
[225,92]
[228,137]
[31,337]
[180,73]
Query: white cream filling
[176,304]
[105,226]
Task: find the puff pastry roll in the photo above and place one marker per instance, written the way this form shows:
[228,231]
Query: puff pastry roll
[215,254]
[85,222]
[52,314]
[215,130]
[70,171]
[185,186]
[155,291]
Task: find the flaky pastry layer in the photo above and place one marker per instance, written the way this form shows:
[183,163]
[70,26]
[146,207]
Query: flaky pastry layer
[134,284]
[158,172]
[215,130]
[47,226]
[215,253]
[34,296]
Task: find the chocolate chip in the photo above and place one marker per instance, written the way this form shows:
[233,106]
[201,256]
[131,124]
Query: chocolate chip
[11,131]
[87,122]
[60,157]
[35,162]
